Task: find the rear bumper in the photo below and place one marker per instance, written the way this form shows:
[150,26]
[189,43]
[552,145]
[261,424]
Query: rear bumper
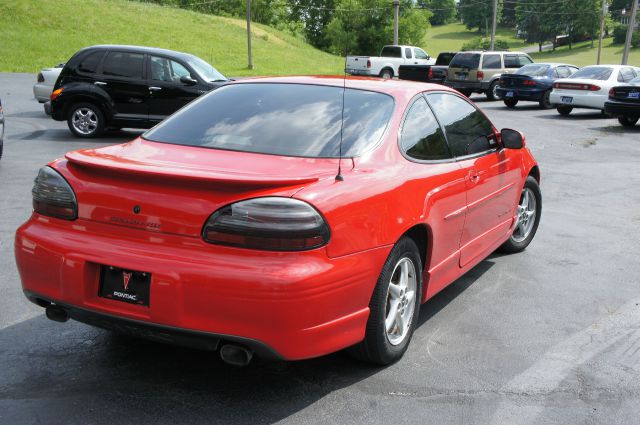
[521,94]
[297,305]
[467,85]
[42,92]
[578,100]
[622,109]
[47,108]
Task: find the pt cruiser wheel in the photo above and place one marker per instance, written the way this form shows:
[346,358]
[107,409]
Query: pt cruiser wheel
[529,210]
[394,306]
[85,120]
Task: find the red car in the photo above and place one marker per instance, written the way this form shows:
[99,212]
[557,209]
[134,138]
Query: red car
[291,217]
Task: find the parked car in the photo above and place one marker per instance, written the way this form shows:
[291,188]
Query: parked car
[589,87]
[386,65]
[624,103]
[45,81]
[532,82]
[1,128]
[479,71]
[428,73]
[266,217]
[114,86]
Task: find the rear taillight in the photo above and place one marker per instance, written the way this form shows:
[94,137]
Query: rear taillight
[501,82]
[430,74]
[270,223]
[480,75]
[529,83]
[40,77]
[56,93]
[53,196]
[576,86]
[368,63]
[612,92]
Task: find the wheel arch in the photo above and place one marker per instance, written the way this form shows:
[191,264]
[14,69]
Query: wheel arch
[387,68]
[85,98]
[422,236]
[535,173]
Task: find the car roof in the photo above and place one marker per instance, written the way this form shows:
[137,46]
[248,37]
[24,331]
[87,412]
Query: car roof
[493,51]
[391,87]
[138,49]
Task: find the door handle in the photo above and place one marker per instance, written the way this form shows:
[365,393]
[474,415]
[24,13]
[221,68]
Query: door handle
[152,88]
[474,176]
[100,83]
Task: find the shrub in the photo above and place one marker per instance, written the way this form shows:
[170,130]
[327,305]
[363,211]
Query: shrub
[484,44]
[635,39]
[619,34]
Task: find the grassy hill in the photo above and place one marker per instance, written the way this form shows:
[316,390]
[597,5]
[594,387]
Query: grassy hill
[451,37]
[583,54]
[39,33]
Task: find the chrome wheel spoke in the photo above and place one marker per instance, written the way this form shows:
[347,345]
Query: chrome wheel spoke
[526,216]
[390,321]
[401,296]
[394,290]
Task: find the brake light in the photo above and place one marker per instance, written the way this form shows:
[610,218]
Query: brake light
[576,86]
[269,223]
[480,75]
[430,74]
[612,92]
[40,77]
[368,63]
[56,93]
[529,83]
[53,196]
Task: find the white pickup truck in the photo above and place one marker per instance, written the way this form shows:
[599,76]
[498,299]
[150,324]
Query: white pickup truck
[386,65]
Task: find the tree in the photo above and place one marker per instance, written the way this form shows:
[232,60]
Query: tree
[315,15]
[478,14]
[364,26]
[537,21]
[443,10]
[509,14]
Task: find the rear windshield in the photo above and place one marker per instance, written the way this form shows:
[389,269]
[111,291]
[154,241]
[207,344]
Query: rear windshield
[465,60]
[594,73]
[534,70]
[444,59]
[280,119]
[635,81]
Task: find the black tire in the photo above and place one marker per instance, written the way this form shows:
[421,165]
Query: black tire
[511,103]
[545,102]
[466,93]
[491,91]
[513,244]
[93,126]
[386,74]
[376,347]
[627,121]
[564,110]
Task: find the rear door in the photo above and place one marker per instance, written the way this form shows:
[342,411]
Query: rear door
[492,175]
[122,77]
[167,93]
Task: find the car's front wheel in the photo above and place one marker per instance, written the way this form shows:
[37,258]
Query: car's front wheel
[528,218]
[86,120]
[564,110]
[628,122]
[394,306]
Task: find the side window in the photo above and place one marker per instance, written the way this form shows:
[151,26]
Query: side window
[407,52]
[572,70]
[626,75]
[511,61]
[89,64]
[491,62]
[556,73]
[466,128]
[421,137]
[164,69]
[421,54]
[524,60]
[391,52]
[563,72]
[122,64]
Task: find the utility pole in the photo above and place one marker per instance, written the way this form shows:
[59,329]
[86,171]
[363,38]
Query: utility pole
[396,7]
[493,26]
[604,12]
[632,24]
[249,33]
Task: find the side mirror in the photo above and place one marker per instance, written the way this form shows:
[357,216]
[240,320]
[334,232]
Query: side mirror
[185,79]
[511,139]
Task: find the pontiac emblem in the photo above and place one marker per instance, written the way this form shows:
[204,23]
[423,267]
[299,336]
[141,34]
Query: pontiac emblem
[126,277]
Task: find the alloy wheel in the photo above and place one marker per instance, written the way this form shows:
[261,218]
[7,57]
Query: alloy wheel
[526,215]
[84,121]
[400,305]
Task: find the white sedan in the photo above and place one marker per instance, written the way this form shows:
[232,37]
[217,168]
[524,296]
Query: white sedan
[46,79]
[589,87]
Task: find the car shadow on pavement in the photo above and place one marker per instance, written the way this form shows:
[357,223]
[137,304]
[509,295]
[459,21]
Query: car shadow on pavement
[79,374]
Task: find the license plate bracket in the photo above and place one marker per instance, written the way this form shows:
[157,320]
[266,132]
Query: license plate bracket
[130,286]
[509,94]
[566,99]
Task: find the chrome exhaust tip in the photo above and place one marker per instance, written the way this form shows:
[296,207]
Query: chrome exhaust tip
[57,313]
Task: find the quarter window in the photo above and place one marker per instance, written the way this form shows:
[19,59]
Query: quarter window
[468,131]
[122,64]
[407,52]
[163,69]
[491,62]
[422,138]
[89,64]
[511,61]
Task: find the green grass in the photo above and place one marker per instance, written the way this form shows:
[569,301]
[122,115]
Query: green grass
[451,37]
[583,54]
[41,33]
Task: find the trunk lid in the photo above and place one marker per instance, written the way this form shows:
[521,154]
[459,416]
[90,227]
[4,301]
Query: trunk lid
[174,189]
[626,93]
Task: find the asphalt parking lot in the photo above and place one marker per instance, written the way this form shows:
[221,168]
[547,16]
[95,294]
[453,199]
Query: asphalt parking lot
[548,336]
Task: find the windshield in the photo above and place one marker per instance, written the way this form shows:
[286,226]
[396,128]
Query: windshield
[465,60]
[534,70]
[280,119]
[594,73]
[204,70]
